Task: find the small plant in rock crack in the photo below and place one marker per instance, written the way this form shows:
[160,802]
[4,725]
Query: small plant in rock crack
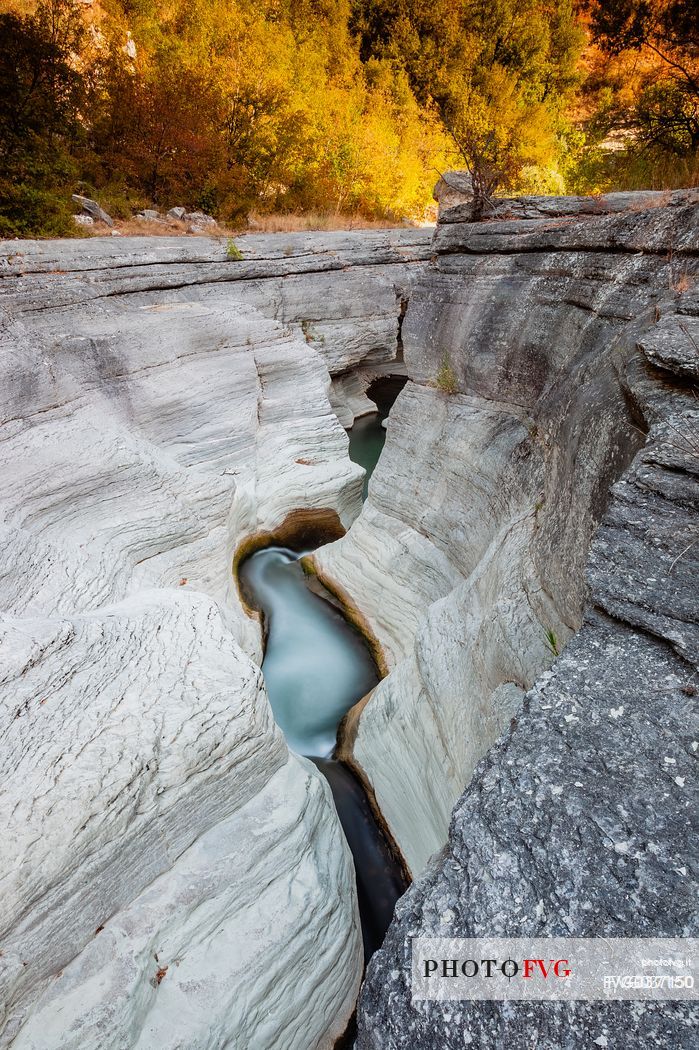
[309,335]
[682,283]
[233,251]
[552,642]
[446,380]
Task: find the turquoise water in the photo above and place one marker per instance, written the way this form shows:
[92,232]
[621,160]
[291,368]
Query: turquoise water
[366,440]
[316,667]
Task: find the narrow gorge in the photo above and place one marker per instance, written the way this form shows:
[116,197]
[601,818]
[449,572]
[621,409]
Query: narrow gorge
[515,589]
[316,667]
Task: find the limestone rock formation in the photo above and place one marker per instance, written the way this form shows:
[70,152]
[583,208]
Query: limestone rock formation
[171,868]
[468,557]
[581,820]
[167,861]
[92,209]
[570,343]
[453,210]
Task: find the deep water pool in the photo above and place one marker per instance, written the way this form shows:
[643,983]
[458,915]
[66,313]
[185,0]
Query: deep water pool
[366,440]
[316,667]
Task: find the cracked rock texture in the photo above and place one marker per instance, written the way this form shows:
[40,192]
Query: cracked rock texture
[581,819]
[171,875]
[468,556]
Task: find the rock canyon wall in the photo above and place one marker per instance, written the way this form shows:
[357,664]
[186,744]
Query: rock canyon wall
[560,342]
[171,874]
[174,875]
[570,348]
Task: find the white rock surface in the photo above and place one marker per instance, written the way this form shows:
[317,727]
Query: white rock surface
[158,404]
[348,397]
[438,561]
[198,957]
[471,545]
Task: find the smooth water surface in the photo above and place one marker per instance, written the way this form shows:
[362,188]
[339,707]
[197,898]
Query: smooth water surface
[366,440]
[380,881]
[316,665]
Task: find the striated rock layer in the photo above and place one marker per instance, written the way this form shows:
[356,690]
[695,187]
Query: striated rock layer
[171,874]
[570,345]
[467,560]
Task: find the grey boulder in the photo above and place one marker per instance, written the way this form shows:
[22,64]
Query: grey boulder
[454,188]
[200,218]
[92,209]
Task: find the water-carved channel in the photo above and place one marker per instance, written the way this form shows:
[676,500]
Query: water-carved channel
[316,667]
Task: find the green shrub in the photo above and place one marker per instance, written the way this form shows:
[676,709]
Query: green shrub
[119,201]
[208,200]
[233,251]
[29,211]
[446,380]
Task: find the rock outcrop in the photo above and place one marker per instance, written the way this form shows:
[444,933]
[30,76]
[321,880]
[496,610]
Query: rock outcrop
[172,869]
[468,557]
[453,209]
[581,820]
[571,344]
[454,188]
[171,875]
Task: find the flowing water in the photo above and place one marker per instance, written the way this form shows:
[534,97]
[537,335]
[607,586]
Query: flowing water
[316,667]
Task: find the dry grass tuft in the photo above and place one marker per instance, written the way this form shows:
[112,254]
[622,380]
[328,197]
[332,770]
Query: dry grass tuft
[298,222]
[682,283]
[166,228]
[294,223]
[446,379]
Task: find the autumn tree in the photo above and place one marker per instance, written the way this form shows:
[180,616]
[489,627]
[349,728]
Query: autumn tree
[497,131]
[333,105]
[498,73]
[665,112]
[156,124]
[41,92]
